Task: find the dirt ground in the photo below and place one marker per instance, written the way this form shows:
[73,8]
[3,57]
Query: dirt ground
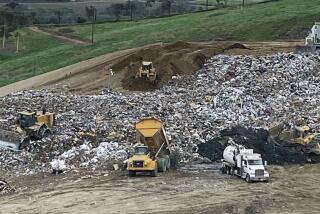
[90,76]
[64,37]
[293,189]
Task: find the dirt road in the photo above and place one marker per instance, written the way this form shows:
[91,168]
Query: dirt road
[293,189]
[64,37]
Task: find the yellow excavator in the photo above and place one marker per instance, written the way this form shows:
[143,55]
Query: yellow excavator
[30,126]
[152,152]
[300,137]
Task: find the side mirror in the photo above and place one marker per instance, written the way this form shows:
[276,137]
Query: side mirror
[243,163]
[265,163]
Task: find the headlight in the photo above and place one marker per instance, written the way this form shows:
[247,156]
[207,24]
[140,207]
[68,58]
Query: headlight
[145,163]
[131,164]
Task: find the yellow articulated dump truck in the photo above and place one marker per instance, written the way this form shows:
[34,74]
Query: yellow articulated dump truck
[152,151]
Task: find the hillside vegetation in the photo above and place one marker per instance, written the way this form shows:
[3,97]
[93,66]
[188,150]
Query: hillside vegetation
[267,21]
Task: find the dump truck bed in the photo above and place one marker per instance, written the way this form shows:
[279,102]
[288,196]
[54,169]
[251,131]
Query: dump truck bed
[151,132]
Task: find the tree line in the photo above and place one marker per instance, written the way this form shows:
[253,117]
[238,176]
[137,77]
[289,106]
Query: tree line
[14,15]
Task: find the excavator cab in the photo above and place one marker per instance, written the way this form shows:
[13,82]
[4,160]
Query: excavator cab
[27,119]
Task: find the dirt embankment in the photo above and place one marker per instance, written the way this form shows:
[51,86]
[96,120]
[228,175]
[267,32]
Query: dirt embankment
[178,58]
[169,60]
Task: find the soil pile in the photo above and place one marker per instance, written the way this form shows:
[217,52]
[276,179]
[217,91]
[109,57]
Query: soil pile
[169,60]
[256,139]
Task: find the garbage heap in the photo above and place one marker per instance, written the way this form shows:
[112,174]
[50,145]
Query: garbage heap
[250,91]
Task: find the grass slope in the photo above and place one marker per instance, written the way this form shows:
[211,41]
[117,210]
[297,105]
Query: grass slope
[266,21]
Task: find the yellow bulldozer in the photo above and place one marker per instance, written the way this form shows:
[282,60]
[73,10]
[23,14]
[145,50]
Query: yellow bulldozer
[30,126]
[147,71]
[152,154]
[298,136]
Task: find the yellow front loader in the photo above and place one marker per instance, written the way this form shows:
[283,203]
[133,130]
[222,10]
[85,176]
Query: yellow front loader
[152,151]
[30,126]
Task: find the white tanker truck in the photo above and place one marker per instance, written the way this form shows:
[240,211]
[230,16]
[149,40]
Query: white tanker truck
[244,163]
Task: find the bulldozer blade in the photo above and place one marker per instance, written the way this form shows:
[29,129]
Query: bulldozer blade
[9,145]
[10,140]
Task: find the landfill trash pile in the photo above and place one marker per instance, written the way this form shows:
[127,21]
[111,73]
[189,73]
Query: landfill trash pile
[251,91]
[5,188]
[87,156]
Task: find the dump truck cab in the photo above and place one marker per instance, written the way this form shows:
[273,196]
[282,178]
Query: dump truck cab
[152,151]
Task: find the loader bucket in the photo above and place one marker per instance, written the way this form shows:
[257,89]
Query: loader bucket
[10,140]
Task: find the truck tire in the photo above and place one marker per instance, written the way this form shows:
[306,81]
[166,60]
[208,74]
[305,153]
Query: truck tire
[228,170]
[161,165]
[131,173]
[154,172]
[167,162]
[248,178]
[174,159]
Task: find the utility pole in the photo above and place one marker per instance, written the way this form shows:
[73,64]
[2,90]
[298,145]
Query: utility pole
[242,3]
[109,79]
[131,12]
[4,36]
[207,4]
[18,41]
[92,23]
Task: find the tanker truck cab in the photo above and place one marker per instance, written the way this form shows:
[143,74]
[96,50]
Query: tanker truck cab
[244,163]
[252,168]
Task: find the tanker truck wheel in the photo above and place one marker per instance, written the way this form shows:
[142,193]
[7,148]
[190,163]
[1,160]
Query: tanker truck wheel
[228,170]
[155,171]
[248,178]
[131,173]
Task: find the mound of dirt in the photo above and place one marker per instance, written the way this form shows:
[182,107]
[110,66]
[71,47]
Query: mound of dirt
[256,139]
[236,46]
[178,58]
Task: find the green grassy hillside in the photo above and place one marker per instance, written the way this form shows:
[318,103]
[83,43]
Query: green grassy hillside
[268,21]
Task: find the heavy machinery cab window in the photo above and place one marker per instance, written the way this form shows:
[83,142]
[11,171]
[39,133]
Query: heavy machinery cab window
[255,162]
[141,150]
[26,120]
[146,67]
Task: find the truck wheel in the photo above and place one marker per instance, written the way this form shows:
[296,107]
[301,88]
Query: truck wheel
[223,169]
[164,165]
[161,165]
[167,162]
[131,173]
[228,170]
[154,172]
[248,178]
